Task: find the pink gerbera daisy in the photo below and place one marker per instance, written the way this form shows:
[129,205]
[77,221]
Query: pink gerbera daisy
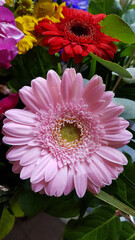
[67,136]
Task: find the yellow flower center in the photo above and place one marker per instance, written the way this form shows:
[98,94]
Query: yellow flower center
[70,132]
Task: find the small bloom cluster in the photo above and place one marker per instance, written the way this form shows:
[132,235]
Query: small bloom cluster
[9,37]
[73,32]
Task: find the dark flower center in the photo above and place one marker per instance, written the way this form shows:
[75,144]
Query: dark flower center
[80,30]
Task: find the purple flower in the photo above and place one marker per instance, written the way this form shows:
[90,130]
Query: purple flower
[78,4]
[10,35]
[2,2]
[6,104]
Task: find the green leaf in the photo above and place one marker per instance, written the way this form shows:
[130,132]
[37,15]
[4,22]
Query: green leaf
[129,107]
[112,66]
[127,232]
[115,203]
[127,51]
[129,174]
[6,223]
[15,206]
[105,6]
[32,203]
[131,70]
[85,82]
[115,27]
[100,224]
[129,18]
[36,62]
[4,199]
[121,189]
[4,195]
[131,144]
[64,206]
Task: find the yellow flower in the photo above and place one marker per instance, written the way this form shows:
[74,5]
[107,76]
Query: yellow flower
[26,24]
[48,9]
[26,44]
[10,3]
[25,7]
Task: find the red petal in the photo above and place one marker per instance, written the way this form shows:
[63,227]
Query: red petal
[65,56]
[68,50]
[48,26]
[55,49]
[99,17]
[78,49]
[54,41]
[48,33]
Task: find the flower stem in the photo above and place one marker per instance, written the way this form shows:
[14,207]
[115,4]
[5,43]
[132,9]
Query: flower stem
[127,64]
[92,68]
[115,203]
[128,217]
[59,69]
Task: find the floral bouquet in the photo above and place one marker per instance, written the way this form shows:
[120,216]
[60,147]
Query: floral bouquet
[67,112]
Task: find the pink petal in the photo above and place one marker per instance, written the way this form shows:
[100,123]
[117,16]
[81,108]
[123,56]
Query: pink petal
[114,169]
[53,84]
[116,121]
[92,188]
[21,116]
[28,98]
[57,186]
[117,144]
[18,130]
[94,174]
[112,155]
[101,105]
[119,137]
[111,113]
[97,107]
[16,167]
[26,171]
[16,140]
[117,127]
[6,120]
[15,153]
[40,90]
[80,181]
[30,156]
[51,170]
[39,170]
[36,187]
[77,86]
[103,170]
[108,96]
[71,72]
[94,81]
[66,84]
[70,181]
[93,96]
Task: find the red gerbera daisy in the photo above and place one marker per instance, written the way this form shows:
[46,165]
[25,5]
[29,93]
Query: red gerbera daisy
[78,34]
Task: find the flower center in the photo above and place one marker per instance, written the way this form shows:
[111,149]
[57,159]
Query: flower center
[80,30]
[70,132]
